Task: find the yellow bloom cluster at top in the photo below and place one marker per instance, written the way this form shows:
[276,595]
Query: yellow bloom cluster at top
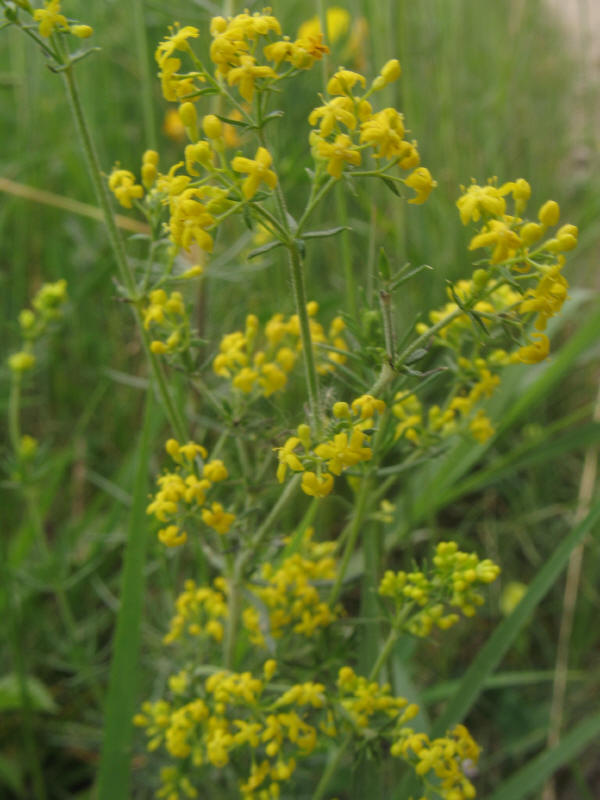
[519,244]
[347,125]
[348,446]
[451,581]
[182,494]
[253,365]
[50,20]
[238,45]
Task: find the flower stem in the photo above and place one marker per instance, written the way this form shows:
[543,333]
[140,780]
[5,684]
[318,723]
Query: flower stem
[312,382]
[125,273]
[353,532]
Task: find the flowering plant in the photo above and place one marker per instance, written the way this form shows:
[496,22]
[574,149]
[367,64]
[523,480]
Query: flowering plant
[264,692]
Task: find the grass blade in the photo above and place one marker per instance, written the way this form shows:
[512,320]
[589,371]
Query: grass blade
[493,651]
[539,769]
[113,777]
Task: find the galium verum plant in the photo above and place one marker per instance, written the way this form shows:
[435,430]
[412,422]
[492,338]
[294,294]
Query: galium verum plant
[264,679]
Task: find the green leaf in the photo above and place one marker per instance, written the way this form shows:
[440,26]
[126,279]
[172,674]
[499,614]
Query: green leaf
[324,234]
[39,695]
[534,774]
[237,122]
[265,248]
[391,186]
[11,775]
[403,276]
[123,683]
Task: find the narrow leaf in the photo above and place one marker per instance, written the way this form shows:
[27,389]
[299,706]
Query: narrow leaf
[39,696]
[534,774]
[323,234]
[391,186]
[265,248]
[113,779]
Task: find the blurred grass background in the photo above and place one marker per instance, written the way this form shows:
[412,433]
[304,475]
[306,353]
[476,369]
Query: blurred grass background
[488,88]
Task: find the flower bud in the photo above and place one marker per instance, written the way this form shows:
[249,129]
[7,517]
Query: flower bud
[188,115]
[21,362]
[530,233]
[549,213]
[212,126]
[82,31]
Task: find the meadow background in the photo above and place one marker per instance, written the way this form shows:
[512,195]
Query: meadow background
[488,88]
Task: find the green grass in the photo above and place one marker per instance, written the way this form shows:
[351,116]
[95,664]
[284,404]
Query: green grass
[486,92]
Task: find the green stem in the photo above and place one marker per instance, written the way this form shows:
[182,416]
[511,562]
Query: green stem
[331,768]
[141,45]
[125,273]
[312,381]
[237,577]
[314,201]
[14,404]
[353,533]
[385,302]
[350,283]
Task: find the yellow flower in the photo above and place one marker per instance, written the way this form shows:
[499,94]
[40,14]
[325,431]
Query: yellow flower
[258,171]
[343,81]
[287,458]
[219,519]
[481,428]
[50,18]
[497,234]
[385,130]
[477,199]
[536,351]
[246,74]
[338,110]
[338,153]
[317,485]
[177,40]
[422,182]
[122,184]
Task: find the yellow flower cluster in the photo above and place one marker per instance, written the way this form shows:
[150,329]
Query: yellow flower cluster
[265,729]
[290,594]
[200,611]
[347,125]
[362,699]
[50,19]
[451,581]
[235,51]
[348,446]
[166,316]
[261,364]
[444,758]
[519,244]
[181,495]
[474,382]
[33,323]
